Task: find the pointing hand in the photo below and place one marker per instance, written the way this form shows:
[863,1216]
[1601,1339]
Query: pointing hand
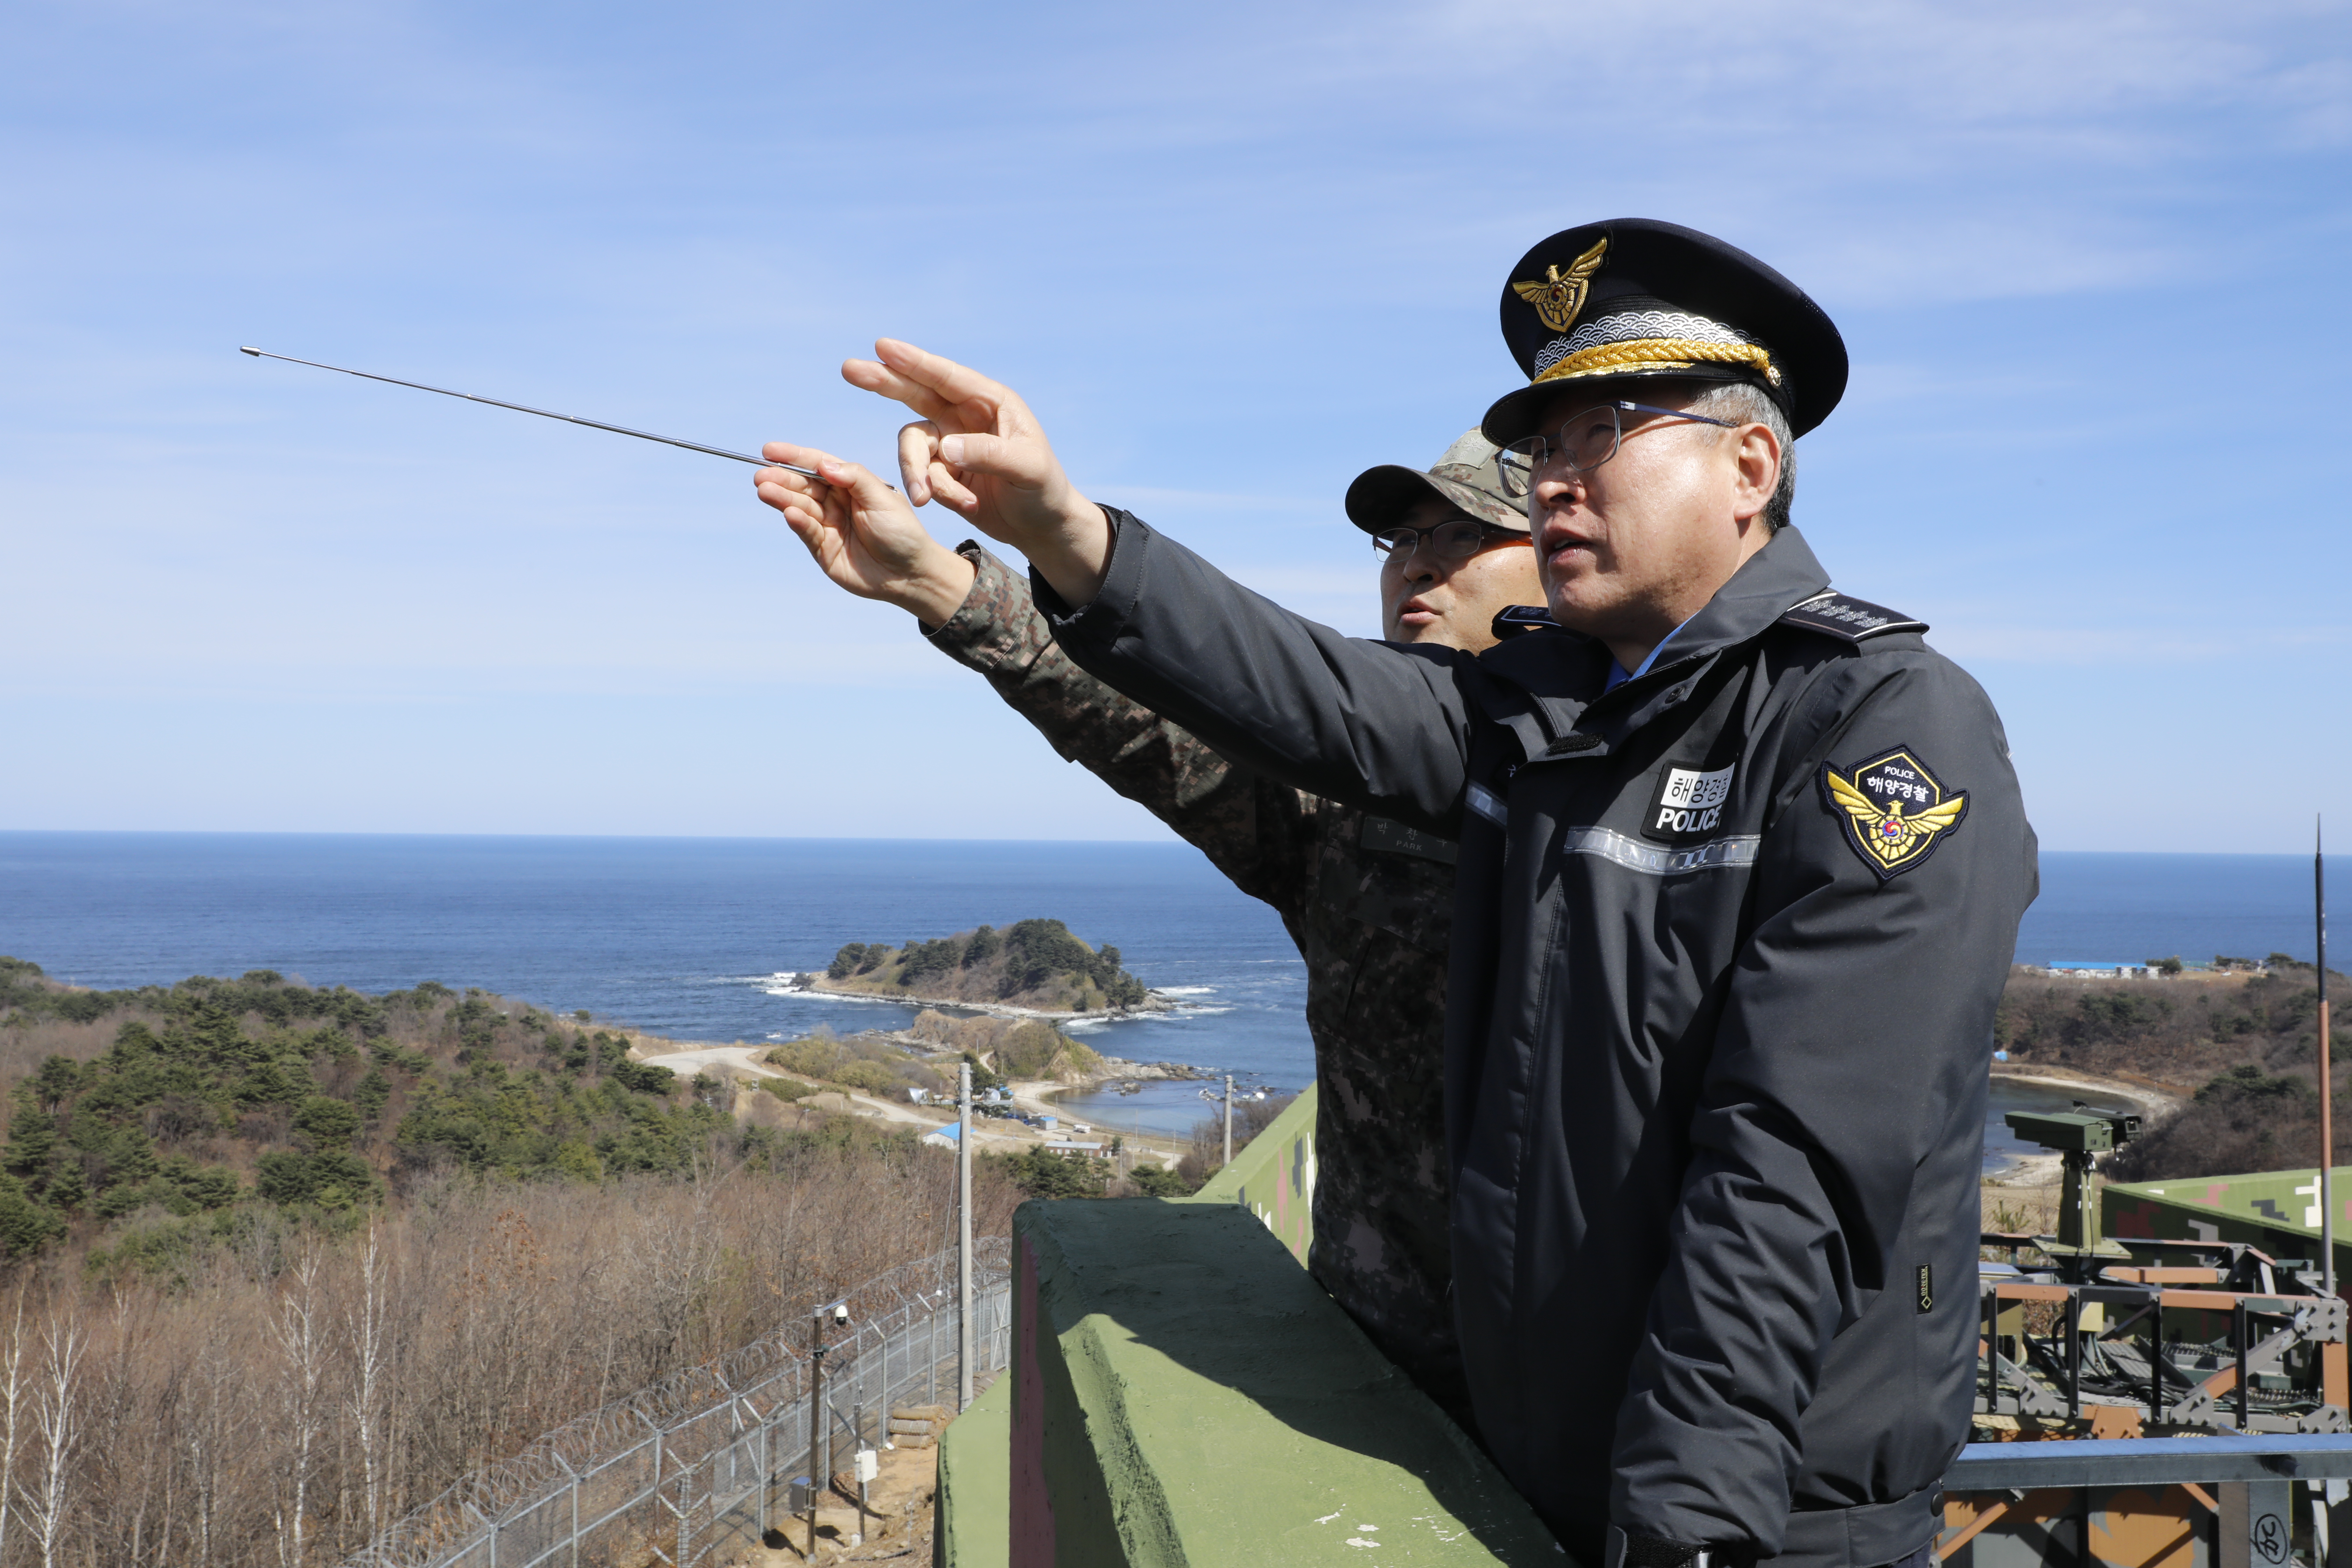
[978,451]
[862,534]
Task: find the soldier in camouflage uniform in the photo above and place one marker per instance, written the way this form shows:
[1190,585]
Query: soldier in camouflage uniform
[1368,900]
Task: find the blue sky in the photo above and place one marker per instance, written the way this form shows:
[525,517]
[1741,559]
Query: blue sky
[2089,261]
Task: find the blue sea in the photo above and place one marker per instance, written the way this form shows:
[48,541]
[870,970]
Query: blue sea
[689,937]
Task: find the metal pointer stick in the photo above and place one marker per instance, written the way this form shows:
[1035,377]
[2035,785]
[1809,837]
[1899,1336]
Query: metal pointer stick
[543,414]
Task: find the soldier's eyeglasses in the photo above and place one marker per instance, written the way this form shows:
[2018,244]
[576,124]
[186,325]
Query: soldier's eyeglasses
[1457,538]
[1582,444]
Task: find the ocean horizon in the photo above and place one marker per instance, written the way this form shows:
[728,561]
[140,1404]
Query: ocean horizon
[689,937]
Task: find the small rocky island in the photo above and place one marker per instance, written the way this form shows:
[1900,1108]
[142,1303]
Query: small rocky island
[1032,966]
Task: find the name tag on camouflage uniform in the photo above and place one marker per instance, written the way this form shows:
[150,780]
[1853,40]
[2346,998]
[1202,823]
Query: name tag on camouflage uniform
[1379,833]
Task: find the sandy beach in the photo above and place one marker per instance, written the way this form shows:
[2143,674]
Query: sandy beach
[2152,1098]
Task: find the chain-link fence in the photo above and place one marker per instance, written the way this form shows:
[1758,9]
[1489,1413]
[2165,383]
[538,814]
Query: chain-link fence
[705,1461]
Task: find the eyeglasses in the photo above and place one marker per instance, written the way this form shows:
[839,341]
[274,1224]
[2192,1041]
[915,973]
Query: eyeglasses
[1582,444]
[1457,538]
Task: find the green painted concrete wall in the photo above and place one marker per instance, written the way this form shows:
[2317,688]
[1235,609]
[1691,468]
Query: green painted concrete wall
[974,1525]
[1184,1394]
[2277,1211]
[1273,1178]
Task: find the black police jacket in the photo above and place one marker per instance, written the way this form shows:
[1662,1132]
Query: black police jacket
[1727,949]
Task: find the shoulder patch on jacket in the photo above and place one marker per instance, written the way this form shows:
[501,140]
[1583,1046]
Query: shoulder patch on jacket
[1518,620]
[1839,616]
[1894,809]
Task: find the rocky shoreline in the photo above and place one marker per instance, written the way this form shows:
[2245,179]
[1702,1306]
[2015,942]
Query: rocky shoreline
[2154,1098]
[814,984]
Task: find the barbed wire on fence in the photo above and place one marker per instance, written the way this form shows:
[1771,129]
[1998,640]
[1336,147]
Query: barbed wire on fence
[679,1458]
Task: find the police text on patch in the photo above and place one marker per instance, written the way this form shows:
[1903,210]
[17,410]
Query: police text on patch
[1687,801]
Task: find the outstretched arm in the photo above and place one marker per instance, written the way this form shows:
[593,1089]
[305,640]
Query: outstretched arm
[1257,832]
[1378,727]
[863,535]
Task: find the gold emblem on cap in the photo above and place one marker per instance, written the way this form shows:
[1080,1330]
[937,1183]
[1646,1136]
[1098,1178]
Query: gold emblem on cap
[1559,296]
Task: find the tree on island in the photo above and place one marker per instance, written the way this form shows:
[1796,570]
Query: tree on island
[1027,958]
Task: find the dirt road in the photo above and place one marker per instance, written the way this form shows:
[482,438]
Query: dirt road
[986,1133]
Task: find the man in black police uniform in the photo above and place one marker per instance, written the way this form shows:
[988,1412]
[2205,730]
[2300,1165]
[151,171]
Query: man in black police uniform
[1741,866]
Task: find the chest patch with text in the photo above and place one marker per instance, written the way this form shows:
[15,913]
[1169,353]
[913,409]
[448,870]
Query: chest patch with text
[1688,803]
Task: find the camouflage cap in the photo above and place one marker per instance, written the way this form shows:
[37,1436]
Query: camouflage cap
[1464,476]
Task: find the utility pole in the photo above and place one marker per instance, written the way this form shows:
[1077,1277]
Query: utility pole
[817,1478]
[2327,1089]
[963,1240]
[1229,1119]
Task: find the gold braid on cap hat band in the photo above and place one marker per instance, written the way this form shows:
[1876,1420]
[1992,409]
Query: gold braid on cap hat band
[1655,353]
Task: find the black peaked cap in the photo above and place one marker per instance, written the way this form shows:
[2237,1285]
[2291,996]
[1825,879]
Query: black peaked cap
[1635,298]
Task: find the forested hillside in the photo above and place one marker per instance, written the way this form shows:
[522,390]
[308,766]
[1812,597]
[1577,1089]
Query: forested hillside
[2245,1044]
[213,1093]
[284,1262]
[1033,964]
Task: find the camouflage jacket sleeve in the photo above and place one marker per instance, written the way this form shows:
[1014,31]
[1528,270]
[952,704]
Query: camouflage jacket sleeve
[1257,832]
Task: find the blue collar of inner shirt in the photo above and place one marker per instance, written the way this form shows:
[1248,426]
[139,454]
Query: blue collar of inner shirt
[1619,675]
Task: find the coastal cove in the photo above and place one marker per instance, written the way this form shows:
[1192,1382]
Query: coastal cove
[702,939]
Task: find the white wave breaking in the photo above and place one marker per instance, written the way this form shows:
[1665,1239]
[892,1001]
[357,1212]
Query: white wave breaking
[832,996]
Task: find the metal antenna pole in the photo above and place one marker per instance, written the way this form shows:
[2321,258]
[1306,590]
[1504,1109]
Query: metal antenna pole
[1229,1119]
[2327,1088]
[543,414]
[963,1240]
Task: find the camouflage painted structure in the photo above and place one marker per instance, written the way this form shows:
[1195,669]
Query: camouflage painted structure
[1184,1396]
[1275,1177]
[2277,1211]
